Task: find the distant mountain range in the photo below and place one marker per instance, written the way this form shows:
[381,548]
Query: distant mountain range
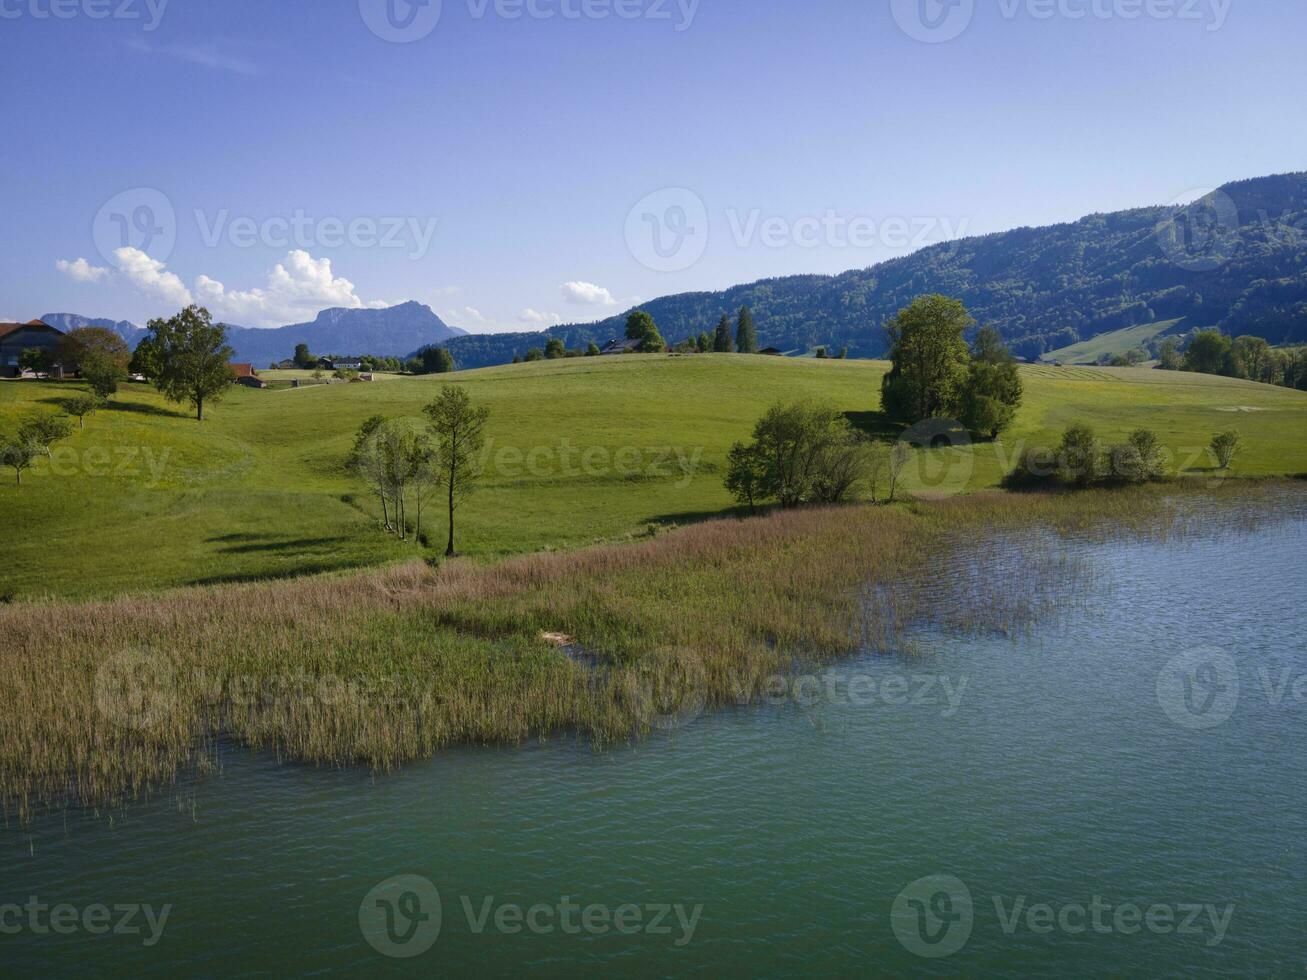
[396,331]
[1236,259]
[1240,264]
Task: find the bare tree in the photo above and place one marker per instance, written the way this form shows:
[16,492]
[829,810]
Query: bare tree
[898,458]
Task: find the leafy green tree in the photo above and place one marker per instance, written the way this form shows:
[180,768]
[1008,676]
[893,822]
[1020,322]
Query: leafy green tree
[43,430]
[1254,354]
[17,455]
[435,360]
[592,350]
[745,474]
[1224,447]
[555,349]
[722,342]
[458,430]
[746,336]
[1209,352]
[80,406]
[535,354]
[193,359]
[640,326]
[930,360]
[34,359]
[703,343]
[1168,355]
[801,453]
[993,391]
[303,359]
[98,354]
[1078,456]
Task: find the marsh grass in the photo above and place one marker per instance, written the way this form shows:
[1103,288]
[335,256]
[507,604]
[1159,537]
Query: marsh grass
[102,702]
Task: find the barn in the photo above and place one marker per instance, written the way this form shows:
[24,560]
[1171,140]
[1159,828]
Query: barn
[18,337]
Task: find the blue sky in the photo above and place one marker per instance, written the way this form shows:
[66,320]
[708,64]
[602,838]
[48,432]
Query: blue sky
[490,167]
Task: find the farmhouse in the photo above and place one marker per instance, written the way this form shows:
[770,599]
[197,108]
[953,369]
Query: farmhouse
[621,347]
[246,375]
[18,337]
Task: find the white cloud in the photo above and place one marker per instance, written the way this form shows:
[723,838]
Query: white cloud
[151,276]
[299,286]
[535,316]
[468,314]
[587,294]
[204,55]
[79,270]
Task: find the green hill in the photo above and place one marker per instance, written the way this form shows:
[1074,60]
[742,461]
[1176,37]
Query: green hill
[1115,342]
[579,451]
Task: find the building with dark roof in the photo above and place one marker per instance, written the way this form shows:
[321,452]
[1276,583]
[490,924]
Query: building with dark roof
[18,337]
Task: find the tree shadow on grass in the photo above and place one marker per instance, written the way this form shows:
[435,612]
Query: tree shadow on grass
[143,408]
[252,544]
[314,568]
[139,408]
[875,425]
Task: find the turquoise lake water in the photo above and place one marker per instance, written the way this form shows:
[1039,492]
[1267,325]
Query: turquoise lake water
[1121,792]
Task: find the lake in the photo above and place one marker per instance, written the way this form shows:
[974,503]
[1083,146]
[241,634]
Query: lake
[1119,791]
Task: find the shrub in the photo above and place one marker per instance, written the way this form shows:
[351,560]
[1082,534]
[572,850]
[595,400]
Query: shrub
[1224,446]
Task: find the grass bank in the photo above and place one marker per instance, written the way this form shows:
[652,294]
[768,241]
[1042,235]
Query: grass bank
[101,702]
[581,451]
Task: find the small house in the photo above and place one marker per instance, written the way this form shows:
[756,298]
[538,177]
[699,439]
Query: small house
[244,374]
[771,351]
[621,347]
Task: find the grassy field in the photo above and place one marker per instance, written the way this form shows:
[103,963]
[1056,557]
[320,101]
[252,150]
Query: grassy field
[580,451]
[1115,342]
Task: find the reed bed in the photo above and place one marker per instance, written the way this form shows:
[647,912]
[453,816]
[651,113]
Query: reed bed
[103,702]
